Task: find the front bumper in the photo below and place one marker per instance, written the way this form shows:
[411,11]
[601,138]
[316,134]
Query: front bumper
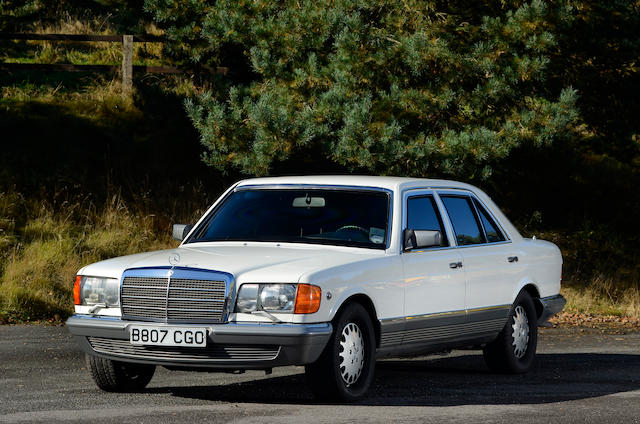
[229,346]
[550,306]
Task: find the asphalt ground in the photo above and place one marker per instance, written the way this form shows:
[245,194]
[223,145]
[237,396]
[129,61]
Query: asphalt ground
[581,376]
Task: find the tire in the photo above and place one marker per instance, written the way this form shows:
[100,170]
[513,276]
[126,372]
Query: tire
[115,376]
[353,340]
[514,350]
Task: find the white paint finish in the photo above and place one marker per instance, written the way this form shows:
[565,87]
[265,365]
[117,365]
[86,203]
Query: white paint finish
[248,262]
[397,283]
[110,312]
[490,277]
[543,266]
[430,285]
[378,278]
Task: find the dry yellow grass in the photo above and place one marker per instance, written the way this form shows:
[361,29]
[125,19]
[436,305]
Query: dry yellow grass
[603,296]
[87,95]
[36,282]
[94,52]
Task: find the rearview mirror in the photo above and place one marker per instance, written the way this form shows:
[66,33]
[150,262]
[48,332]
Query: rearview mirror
[416,239]
[308,202]
[180,231]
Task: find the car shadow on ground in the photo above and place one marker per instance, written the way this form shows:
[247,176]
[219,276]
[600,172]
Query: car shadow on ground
[450,381]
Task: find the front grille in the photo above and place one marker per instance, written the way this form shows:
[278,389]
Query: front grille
[173,299]
[217,352]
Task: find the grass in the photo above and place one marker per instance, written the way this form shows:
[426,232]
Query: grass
[43,254]
[98,98]
[602,296]
[79,53]
[601,277]
[84,91]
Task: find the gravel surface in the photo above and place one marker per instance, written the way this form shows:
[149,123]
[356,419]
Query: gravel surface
[582,375]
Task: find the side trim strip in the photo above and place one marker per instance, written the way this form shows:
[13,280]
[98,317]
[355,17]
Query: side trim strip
[452,331]
[442,326]
[447,313]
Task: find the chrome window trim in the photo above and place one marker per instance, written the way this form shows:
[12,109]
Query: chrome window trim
[310,186]
[472,195]
[479,218]
[292,186]
[448,224]
[417,192]
[446,220]
[484,228]
[496,243]
[476,217]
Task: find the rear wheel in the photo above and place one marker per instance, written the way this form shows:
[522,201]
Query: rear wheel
[115,376]
[514,350]
[345,369]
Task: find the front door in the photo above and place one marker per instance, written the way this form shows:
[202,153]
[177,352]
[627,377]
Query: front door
[434,277]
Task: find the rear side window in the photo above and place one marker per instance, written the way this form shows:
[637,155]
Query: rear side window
[490,228]
[464,221]
[422,214]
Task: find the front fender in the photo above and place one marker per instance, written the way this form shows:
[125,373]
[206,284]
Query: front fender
[345,296]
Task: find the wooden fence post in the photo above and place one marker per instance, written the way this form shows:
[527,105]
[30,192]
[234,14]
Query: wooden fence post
[127,65]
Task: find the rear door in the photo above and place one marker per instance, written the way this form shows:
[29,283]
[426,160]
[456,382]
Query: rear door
[490,261]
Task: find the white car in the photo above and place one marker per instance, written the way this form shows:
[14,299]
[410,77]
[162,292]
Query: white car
[330,272]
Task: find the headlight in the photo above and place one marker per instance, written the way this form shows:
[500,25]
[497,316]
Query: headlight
[278,297]
[96,290]
[266,297]
[247,298]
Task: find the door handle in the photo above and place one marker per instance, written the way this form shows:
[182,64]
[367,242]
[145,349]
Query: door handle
[454,265]
[512,259]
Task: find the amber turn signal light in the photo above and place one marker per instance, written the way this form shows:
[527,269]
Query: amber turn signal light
[308,299]
[76,291]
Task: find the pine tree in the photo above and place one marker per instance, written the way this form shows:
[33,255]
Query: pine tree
[406,87]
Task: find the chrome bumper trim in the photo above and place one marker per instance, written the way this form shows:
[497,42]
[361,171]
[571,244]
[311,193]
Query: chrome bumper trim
[551,305]
[298,344]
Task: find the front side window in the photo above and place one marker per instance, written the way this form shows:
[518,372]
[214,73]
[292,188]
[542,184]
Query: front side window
[422,214]
[316,216]
[464,221]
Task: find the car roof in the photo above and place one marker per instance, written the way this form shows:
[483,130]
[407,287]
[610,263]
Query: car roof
[389,183]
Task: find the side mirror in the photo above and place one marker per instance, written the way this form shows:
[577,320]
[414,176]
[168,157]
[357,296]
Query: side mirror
[180,231]
[416,239]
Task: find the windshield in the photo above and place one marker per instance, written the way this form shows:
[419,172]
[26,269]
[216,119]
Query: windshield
[338,217]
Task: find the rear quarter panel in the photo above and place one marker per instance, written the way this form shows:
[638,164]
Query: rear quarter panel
[542,262]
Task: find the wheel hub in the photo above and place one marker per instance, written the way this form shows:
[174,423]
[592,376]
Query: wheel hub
[520,332]
[351,353]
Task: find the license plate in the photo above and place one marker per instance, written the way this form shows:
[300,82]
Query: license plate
[167,336]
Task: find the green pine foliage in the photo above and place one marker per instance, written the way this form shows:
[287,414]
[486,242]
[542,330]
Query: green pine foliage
[406,87]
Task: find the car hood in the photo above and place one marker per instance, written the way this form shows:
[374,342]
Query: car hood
[262,262]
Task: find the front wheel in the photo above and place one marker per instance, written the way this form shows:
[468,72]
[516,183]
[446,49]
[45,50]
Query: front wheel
[116,376]
[345,368]
[514,350]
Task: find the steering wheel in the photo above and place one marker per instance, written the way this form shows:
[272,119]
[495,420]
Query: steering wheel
[354,227]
